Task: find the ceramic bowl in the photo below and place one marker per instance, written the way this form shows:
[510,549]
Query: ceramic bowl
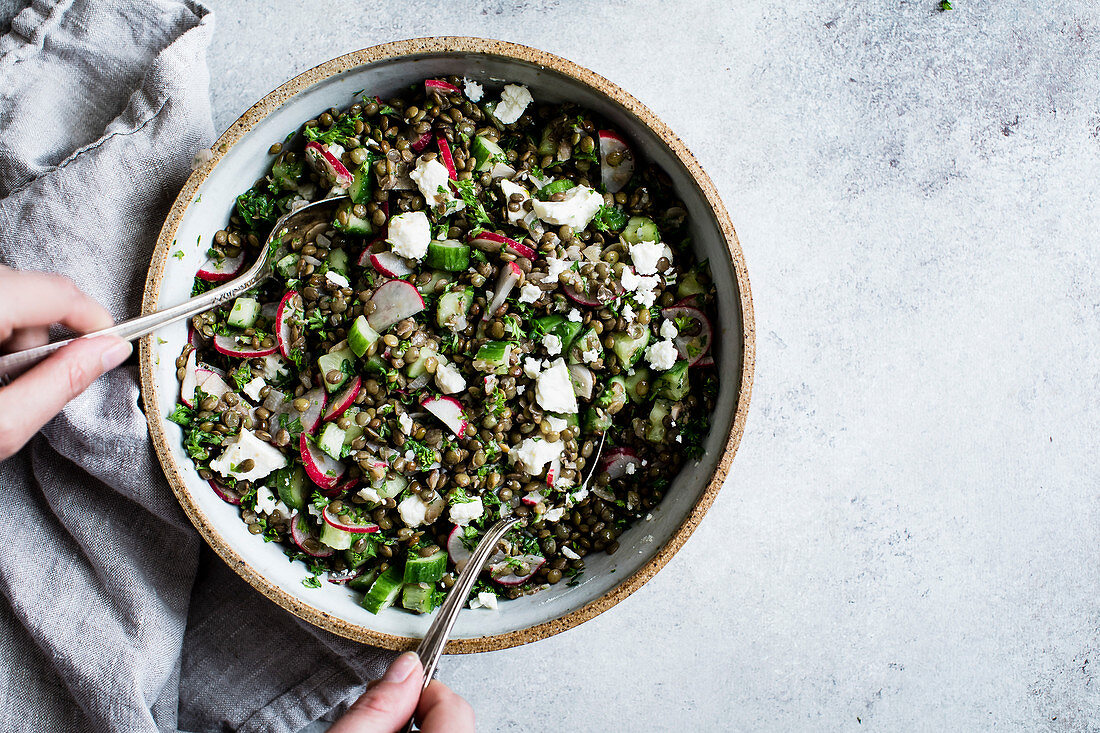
[240,157]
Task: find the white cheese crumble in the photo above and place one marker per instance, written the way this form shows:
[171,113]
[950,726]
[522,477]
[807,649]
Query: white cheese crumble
[513,100]
[556,424]
[531,367]
[628,313]
[485,600]
[473,90]
[369,493]
[554,515]
[590,356]
[552,344]
[266,503]
[643,286]
[508,188]
[413,511]
[405,422]
[574,316]
[529,293]
[644,255]
[410,234]
[631,468]
[533,454]
[568,552]
[577,208]
[491,383]
[252,389]
[433,180]
[449,379]
[265,458]
[668,330]
[554,389]
[554,268]
[466,512]
[661,355]
[274,366]
[337,279]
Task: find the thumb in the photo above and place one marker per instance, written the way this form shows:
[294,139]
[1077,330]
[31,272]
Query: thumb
[387,705]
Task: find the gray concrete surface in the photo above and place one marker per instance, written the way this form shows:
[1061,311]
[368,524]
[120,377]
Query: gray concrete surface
[909,538]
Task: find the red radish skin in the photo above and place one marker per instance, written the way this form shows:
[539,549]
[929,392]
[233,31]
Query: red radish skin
[440,86]
[322,469]
[228,345]
[502,572]
[457,550]
[339,489]
[334,521]
[683,341]
[509,276]
[216,271]
[210,382]
[289,308]
[421,142]
[614,463]
[533,498]
[580,298]
[300,535]
[318,400]
[506,243]
[394,301]
[552,474]
[228,495]
[449,411]
[389,264]
[327,164]
[445,156]
[343,399]
[615,177]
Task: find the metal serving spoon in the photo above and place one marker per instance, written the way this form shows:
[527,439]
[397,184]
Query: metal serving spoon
[14,364]
[431,646]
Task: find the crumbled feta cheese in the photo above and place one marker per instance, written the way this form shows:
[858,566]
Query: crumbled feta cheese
[337,279]
[556,424]
[529,293]
[668,330]
[413,511]
[554,515]
[513,100]
[265,500]
[644,255]
[531,367]
[590,355]
[265,457]
[577,208]
[274,367]
[409,234]
[533,454]
[433,180]
[465,512]
[554,268]
[573,253]
[521,388]
[577,496]
[661,355]
[568,552]
[315,511]
[485,600]
[491,383]
[631,468]
[252,389]
[508,188]
[449,379]
[574,316]
[646,297]
[679,439]
[554,389]
[643,286]
[552,344]
[473,90]
[628,313]
[369,493]
[406,423]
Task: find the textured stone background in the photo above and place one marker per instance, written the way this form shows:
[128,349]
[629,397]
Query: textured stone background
[909,536]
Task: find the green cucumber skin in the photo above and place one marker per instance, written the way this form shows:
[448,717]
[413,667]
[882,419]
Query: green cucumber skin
[360,188]
[674,383]
[428,569]
[484,151]
[383,591]
[493,356]
[564,329]
[361,336]
[587,341]
[449,255]
[418,597]
[641,229]
[453,304]
[244,313]
[363,581]
[290,484]
[331,440]
[337,539]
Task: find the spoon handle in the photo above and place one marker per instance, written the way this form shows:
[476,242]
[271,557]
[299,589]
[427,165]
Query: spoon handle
[431,646]
[12,365]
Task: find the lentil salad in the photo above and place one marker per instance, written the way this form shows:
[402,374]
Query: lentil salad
[506,283]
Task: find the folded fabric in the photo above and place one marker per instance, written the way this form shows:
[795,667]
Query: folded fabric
[114,616]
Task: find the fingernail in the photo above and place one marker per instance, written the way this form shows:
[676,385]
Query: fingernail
[116,354]
[402,667]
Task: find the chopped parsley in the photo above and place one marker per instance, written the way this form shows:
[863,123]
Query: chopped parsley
[339,132]
[311,582]
[609,219]
[178,254]
[475,213]
[242,375]
[255,208]
[182,415]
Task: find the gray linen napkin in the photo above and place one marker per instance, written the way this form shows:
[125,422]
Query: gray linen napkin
[113,615]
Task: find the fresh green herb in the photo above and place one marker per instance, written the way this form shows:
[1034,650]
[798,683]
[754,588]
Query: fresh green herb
[296,357]
[475,211]
[319,500]
[341,130]
[579,154]
[178,254]
[294,427]
[316,321]
[311,582]
[945,5]
[459,496]
[385,109]
[609,219]
[182,415]
[422,453]
[197,443]
[255,208]
[200,286]
[479,256]
[241,376]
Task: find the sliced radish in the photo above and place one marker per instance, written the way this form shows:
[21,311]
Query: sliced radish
[228,495]
[693,340]
[449,411]
[421,142]
[210,381]
[190,380]
[321,468]
[394,301]
[583,381]
[290,308]
[692,301]
[509,276]
[446,157]
[504,572]
[456,548]
[327,164]
[616,461]
[506,243]
[229,346]
[343,399]
[307,538]
[440,86]
[390,265]
[311,418]
[552,473]
[219,270]
[534,497]
[581,298]
[704,361]
[334,520]
[344,577]
[614,177]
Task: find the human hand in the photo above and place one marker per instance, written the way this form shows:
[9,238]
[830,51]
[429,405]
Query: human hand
[29,303]
[389,703]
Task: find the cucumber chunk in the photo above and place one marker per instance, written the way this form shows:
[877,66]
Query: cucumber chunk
[493,356]
[331,439]
[356,559]
[362,581]
[450,255]
[383,591]
[564,329]
[425,569]
[587,341]
[337,539]
[486,153]
[641,229]
[655,430]
[288,265]
[691,283]
[627,349]
[361,336]
[561,185]
[346,221]
[673,384]
[290,485]
[286,175]
[418,367]
[338,261]
[612,399]
[641,374]
[339,360]
[420,597]
[392,486]
[360,188]
[244,313]
[453,307]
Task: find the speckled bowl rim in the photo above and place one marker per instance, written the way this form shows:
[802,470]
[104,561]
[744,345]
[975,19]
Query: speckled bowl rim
[441,45]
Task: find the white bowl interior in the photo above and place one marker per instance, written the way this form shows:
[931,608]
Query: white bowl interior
[247,161]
